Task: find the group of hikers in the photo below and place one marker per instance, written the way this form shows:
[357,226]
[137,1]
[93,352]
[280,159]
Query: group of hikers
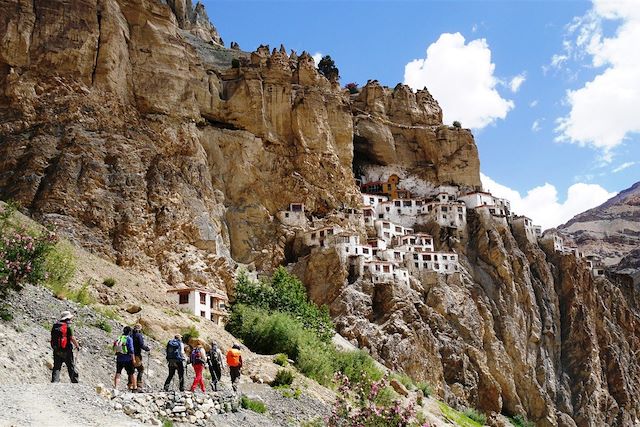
[128,348]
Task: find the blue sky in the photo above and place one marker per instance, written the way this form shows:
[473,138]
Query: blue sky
[555,46]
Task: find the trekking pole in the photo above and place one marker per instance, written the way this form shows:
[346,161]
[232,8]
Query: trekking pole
[146,371]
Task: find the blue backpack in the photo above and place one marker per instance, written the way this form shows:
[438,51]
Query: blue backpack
[174,350]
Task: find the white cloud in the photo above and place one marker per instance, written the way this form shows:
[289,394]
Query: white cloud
[317,57]
[533,103]
[535,127]
[541,203]
[517,81]
[603,112]
[460,76]
[623,166]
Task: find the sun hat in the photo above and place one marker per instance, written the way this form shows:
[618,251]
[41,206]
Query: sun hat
[66,315]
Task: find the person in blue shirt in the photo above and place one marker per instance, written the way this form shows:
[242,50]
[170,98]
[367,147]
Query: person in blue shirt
[125,354]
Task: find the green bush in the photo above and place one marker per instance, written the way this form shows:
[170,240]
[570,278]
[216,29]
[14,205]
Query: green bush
[457,417]
[457,124]
[235,63]
[285,293]
[82,295]
[521,421]
[283,377]
[281,359]
[476,416]
[425,387]
[327,68]
[103,324]
[253,405]
[109,282]
[190,332]
[5,313]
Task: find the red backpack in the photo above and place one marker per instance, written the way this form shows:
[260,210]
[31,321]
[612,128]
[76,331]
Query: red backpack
[59,338]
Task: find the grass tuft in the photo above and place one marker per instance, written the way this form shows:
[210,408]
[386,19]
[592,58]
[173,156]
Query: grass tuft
[253,405]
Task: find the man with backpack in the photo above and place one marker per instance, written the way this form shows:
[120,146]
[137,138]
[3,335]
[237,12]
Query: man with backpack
[62,343]
[216,364]
[138,346]
[234,360]
[175,360]
[123,347]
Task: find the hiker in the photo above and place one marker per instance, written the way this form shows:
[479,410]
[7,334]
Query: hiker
[138,346]
[62,343]
[234,361]
[175,360]
[123,347]
[198,360]
[216,363]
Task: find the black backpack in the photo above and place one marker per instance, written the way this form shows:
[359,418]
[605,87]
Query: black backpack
[174,350]
[214,359]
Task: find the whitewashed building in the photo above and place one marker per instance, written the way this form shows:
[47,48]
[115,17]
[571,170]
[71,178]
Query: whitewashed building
[419,242]
[386,230]
[212,305]
[348,245]
[373,200]
[400,211]
[386,271]
[595,264]
[318,237]
[447,214]
[439,262]
[477,198]
[552,241]
[525,225]
[446,193]
[294,216]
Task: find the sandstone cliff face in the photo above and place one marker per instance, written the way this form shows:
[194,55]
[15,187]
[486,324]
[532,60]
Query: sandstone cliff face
[399,127]
[124,123]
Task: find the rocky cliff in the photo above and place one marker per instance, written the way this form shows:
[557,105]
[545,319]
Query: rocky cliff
[128,125]
[610,230]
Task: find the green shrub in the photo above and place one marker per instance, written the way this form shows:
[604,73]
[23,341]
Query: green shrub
[457,417]
[188,333]
[476,416]
[82,295]
[166,422]
[521,421]
[283,377]
[327,68]
[425,387]
[457,124]
[109,282]
[253,405]
[109,313]
[289,393]
[235,63]
[285,293]
[5,313]
[281,359]
[104,325]
[355,364]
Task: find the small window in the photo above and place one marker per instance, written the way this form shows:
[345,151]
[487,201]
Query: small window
[417,265]
[286,214]
[203,298]
[183,298]
[313,235]
[397,202]
[203,314]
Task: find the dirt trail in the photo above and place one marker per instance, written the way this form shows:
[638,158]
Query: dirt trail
[57,405]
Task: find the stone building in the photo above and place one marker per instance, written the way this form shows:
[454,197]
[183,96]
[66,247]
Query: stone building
[294,216]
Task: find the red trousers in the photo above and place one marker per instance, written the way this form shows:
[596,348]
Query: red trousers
[198,380]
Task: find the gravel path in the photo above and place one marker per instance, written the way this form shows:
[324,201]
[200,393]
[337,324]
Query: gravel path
[57,405]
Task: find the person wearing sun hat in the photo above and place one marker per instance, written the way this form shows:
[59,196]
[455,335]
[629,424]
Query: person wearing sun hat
[62,343]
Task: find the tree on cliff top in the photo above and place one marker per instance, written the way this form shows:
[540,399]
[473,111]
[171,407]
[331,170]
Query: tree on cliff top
[327,68]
